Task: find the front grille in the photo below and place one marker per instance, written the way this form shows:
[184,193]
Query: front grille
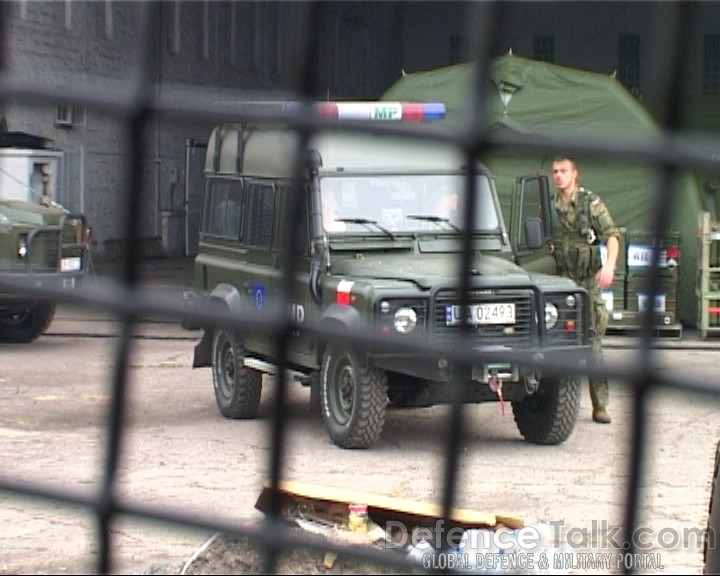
[518,335]
[72,238]
[44,251]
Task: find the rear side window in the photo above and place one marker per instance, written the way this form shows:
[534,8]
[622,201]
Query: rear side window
[223,209]
[261,215]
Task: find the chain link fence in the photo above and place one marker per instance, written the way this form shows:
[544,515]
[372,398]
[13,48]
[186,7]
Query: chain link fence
[136,104]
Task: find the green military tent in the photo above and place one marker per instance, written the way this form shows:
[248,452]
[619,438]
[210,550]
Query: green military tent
[549,101]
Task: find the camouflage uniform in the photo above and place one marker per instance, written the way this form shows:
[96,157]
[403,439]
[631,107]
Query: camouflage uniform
[580,227]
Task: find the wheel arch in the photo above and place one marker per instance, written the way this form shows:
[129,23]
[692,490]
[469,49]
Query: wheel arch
[223,296]
[337,317]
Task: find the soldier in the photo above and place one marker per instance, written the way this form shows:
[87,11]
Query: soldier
[583,221]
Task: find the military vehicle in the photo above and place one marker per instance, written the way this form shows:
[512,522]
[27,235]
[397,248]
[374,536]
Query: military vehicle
[378,250]
[41,245]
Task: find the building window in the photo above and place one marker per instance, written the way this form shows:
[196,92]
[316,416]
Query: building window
[544,48]
[457,47]
[109,19]
[629,61]
[254,37]
[206,30]
[711,63]
[68,15]
[174,29]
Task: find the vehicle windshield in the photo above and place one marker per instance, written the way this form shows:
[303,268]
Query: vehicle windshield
[389,204]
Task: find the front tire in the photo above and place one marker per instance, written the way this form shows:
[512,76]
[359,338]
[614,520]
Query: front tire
[549,415]
[353,397]
[711,553]
[24,324]
[237,387]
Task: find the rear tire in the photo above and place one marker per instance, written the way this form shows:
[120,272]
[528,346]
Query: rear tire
[237,387]
[711,554]
[354,399]
[25,324]
[549,415]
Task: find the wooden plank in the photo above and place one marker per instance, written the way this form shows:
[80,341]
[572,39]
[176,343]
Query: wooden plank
[382,508]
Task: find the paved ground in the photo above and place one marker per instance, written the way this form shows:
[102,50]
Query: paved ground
[180,453]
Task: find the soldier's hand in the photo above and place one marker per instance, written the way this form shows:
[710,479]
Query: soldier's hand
[605,277]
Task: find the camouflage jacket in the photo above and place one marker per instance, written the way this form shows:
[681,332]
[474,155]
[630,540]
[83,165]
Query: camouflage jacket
[579,229]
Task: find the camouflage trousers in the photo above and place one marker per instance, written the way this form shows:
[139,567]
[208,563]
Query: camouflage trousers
[599,393]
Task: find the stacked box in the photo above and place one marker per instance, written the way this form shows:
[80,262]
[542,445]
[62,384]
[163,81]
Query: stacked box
[665,302]
[638,252]
[707,286]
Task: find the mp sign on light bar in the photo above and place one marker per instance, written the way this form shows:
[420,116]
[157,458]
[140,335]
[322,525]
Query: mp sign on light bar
[390,111]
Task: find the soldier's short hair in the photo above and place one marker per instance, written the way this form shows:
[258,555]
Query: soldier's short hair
[562,157]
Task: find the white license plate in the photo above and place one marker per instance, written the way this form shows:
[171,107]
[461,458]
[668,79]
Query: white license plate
[70,264]
[480,314]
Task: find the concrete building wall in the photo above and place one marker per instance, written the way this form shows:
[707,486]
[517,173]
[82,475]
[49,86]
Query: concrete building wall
[255,47]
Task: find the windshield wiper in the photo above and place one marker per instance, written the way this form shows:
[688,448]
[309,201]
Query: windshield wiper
[434,219]
[367,223]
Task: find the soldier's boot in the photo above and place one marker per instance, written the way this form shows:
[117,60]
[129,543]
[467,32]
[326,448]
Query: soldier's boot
[601,416]
[599,396]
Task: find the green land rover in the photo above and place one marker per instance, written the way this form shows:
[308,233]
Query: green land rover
[377,242]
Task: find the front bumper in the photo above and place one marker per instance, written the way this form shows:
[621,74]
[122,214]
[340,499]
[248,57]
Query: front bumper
[54,257]
[438,368]
[13,285]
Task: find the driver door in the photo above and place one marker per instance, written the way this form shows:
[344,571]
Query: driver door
[531,199]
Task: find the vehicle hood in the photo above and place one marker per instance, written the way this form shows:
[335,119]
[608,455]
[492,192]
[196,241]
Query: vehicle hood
[18,212]
[430,270]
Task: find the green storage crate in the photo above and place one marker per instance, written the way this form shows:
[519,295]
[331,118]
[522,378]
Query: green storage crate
[707,287]
[639,251]
[638,258]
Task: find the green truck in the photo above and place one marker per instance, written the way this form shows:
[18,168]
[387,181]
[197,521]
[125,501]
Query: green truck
[42,245]
[374,234]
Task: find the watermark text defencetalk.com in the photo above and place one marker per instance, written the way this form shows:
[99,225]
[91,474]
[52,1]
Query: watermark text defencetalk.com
[599,536]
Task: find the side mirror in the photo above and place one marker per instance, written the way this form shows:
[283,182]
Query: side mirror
[534,237]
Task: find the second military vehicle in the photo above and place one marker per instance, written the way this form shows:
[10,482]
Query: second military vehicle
[42,245]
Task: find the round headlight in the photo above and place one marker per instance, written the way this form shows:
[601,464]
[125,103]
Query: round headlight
[570,301]
[551,316]
[405,320]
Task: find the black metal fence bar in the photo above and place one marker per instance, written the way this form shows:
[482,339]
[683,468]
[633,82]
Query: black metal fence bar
[137,103]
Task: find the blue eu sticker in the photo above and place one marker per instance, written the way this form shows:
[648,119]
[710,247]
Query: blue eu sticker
[259,296]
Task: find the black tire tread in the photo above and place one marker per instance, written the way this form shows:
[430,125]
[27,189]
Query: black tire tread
[245,401]
[35,325]
[557,422]
[369,418]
